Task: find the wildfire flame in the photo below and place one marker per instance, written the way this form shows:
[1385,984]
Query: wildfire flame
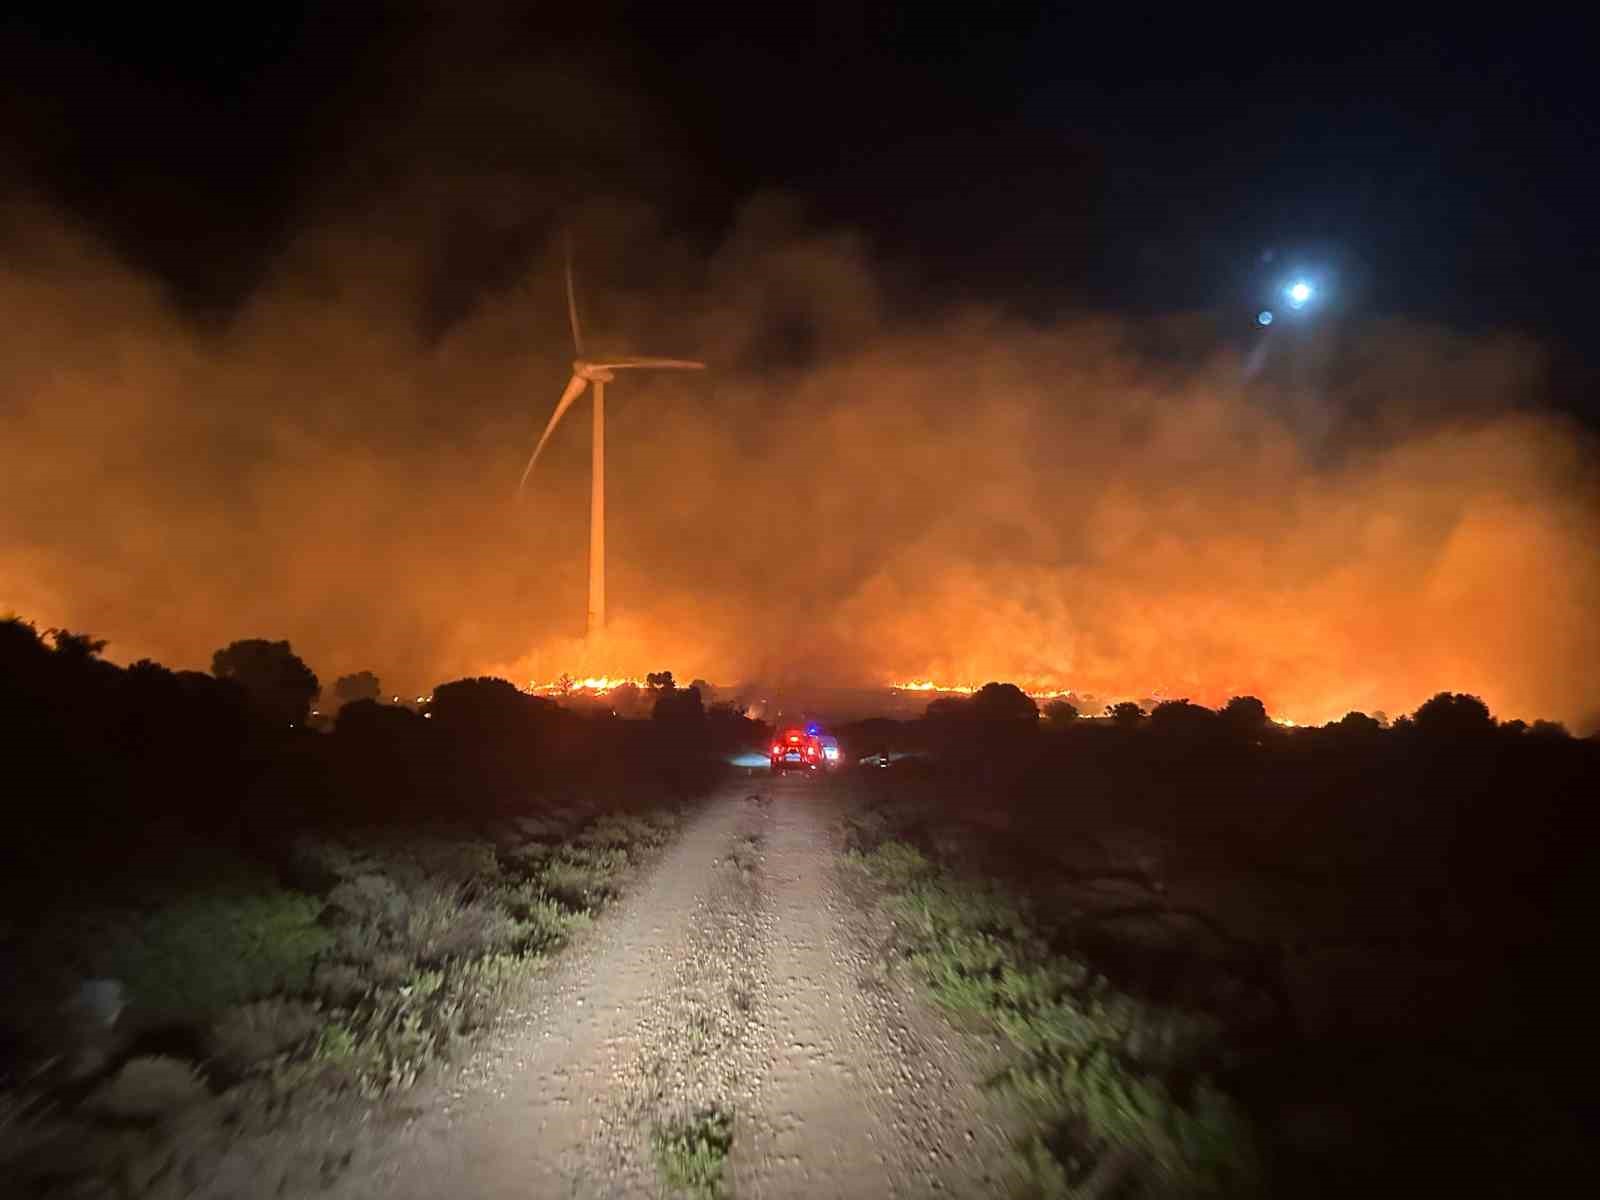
[1036,692]
[1092,706]
[592,685]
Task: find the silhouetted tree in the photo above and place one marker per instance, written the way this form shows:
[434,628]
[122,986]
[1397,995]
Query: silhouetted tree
[1180,714]
[385,762]
[680,734]
[1127,714]
[1549,729]
[660,681]
[729,729]
[1245,715]
[77,646]
[705,689]
[1453,714]
[946,725]
[483,707]
[23,662]
[679,711]
[1357,724]
[1000,703]
[14,631]
[375,724]
[363,685]
[280,686]
[1060,712]
[947,708]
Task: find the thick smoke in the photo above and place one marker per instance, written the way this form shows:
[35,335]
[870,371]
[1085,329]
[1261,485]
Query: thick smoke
[850,495]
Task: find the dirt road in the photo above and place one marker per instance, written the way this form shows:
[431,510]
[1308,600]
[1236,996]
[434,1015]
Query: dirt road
[738,976]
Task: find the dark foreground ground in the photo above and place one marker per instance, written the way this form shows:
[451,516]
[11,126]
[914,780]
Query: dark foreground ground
[864,984]
[1381,1021]
[724,1024]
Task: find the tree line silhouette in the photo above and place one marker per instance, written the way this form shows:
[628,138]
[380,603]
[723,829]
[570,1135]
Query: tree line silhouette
[107,762]
[1493,805]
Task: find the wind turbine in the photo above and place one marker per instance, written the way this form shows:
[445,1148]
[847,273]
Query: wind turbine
[585,372]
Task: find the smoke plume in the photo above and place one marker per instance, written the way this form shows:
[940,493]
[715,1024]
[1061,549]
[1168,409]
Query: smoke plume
[1338,518]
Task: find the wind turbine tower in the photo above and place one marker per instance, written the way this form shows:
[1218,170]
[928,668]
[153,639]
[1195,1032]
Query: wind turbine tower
[585,372]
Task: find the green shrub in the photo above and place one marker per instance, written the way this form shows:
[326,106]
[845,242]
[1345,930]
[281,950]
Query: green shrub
[369,898]
[442,862]
[201,952]
[335,1043]
[546,924]
[691,1154]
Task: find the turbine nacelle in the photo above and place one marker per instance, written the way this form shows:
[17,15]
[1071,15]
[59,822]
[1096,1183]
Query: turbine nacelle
[592,372]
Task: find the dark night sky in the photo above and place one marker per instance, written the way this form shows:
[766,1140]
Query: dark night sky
[1049,162]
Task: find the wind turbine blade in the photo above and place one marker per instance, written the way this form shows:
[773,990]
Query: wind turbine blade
[662,364]
[575,387]
[572,305]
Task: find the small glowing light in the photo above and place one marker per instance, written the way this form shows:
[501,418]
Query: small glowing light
[1264,317]
[1299,292]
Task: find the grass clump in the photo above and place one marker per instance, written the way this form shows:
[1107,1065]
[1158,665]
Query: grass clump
[248,1034]
[544,924]
[621,831]
[1116,1089]
[582,878]
[691,1153]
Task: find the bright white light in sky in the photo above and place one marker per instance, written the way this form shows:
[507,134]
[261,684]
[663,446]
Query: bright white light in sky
[1298,292]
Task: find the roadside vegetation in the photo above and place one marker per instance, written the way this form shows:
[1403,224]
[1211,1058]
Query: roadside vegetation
[1118,1094]
[1339,959]
[217,923]
[264,999]
[691,1153]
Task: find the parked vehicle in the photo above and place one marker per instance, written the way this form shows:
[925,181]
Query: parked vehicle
[797,750]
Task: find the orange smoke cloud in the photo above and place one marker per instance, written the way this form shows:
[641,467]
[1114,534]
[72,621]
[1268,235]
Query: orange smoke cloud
[956,498]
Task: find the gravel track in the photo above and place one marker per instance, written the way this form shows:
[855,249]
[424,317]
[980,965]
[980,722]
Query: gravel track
[739,973]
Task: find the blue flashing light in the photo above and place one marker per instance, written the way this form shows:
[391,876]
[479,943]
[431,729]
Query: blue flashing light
[1264,317]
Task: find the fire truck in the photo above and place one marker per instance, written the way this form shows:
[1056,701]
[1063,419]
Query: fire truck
[804,748]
